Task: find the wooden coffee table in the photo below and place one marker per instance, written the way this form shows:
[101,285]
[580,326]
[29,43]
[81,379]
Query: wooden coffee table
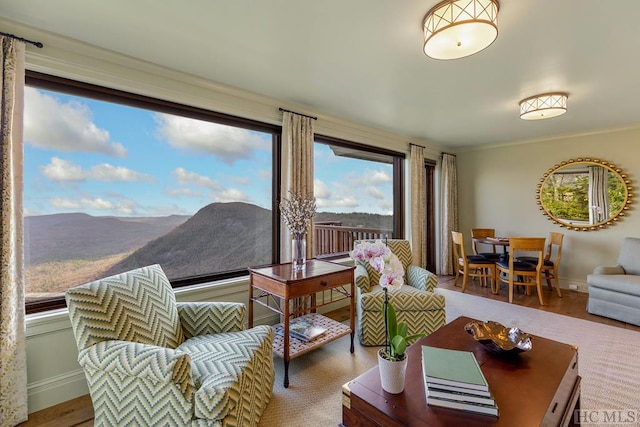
[538,387]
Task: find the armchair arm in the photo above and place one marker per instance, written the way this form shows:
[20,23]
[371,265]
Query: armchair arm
[362,278]
[421,278]
[144,361]
[203,318]
[603,269]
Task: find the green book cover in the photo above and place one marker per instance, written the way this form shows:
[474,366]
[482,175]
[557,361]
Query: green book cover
[452,367]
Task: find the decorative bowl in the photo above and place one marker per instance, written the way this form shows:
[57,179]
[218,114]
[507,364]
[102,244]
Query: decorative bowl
[498,338]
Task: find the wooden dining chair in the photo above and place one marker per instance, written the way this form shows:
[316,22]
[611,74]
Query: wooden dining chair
[471,265]
[482,233]
[551,262]
[516,272]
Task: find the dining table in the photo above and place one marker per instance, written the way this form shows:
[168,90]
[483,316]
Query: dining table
[497,241]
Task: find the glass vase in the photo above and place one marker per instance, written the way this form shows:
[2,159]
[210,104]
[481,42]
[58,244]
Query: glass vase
[298,252]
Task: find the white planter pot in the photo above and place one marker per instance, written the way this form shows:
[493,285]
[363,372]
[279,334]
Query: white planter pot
[392,374]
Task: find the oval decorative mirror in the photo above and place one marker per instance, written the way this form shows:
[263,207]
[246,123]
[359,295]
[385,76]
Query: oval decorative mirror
[584,194]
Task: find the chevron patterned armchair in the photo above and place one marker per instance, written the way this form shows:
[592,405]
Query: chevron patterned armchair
[415,303]
[151,361]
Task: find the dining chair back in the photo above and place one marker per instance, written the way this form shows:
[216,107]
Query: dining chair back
[471,265]
[516,272]
[551,261]
[482,233]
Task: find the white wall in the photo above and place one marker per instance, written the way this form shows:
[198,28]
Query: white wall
[497,189]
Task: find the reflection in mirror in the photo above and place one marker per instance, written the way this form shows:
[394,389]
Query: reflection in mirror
[584,194]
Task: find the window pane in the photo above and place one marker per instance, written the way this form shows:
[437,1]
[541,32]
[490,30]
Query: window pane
[354,194]
[110,187]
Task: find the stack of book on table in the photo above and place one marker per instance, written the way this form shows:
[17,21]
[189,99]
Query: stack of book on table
[304,329]
[453,379]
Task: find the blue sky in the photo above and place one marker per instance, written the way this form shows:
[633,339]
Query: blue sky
[99,158]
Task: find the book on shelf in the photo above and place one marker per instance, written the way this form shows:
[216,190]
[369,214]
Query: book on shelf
[303,329]
[452,368]
[434,392]
[465,406]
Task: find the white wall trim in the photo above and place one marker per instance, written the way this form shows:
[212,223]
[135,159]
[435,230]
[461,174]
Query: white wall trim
[56,389]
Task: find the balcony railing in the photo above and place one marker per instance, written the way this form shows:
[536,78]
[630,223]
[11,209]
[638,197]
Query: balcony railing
[332,237]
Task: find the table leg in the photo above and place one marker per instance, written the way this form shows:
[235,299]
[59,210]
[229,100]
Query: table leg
[285,350]
[251,300]
[286,374]
[352,310]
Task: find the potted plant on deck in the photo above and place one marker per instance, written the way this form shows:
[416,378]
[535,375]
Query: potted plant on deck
[392,358]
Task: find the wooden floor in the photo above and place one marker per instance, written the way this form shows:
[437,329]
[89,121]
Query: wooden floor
[79,412]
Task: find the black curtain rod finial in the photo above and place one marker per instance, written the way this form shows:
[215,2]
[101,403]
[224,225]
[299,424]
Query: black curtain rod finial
[22,39]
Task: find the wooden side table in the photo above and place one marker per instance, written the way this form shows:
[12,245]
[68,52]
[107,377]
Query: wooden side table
[275,286]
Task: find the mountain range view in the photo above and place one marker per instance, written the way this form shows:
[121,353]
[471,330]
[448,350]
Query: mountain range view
[219,237]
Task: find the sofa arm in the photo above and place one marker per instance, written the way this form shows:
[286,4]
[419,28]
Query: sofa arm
[362,278]
[143,361]
[204,318]
[603,269]
[421,278]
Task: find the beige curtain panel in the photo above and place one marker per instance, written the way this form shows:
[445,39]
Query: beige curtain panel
[13,371]
[418,234]
[297,148]
[449,203]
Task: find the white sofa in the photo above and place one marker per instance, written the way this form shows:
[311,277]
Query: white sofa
[614,291]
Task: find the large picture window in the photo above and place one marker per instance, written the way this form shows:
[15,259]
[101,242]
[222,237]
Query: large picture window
[358,192]
[114,181]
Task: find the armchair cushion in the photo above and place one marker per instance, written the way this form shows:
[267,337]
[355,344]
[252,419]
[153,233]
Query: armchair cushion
[202,318]
[410,299]
[629,257]
[137,306]
[222,364]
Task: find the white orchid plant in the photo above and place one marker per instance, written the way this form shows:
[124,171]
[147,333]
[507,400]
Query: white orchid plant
[385,262]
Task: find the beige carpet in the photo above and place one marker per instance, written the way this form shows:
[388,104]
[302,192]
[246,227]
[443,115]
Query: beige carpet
[609,363]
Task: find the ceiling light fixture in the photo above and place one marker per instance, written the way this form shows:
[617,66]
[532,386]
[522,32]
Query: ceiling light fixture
[544,106]
[458,28]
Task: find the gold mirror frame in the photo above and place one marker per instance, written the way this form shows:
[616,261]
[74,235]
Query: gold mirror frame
[591,227]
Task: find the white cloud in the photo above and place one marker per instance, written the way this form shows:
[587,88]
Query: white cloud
[231,195]
[68,127]
[108,173]
[320,189]
[61,170]
[82,203]
[186,178]
[374,192]
[379,177]
[182,192]
[225,142]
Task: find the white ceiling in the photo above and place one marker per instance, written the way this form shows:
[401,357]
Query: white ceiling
[362,60]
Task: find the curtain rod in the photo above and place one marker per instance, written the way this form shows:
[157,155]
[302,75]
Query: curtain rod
[417,145]
[304,115]
[22,39]
[443,153]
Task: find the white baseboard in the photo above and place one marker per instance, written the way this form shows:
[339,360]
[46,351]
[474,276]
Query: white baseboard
[56,389]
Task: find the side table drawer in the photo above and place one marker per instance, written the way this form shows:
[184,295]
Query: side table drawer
[319,284]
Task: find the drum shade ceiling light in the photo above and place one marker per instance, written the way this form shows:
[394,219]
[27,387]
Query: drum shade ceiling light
[544,106]
[458,28]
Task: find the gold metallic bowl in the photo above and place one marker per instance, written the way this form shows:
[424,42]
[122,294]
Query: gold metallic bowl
[498,338]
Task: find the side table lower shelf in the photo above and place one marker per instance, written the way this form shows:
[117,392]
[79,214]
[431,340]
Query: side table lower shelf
[298,347]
